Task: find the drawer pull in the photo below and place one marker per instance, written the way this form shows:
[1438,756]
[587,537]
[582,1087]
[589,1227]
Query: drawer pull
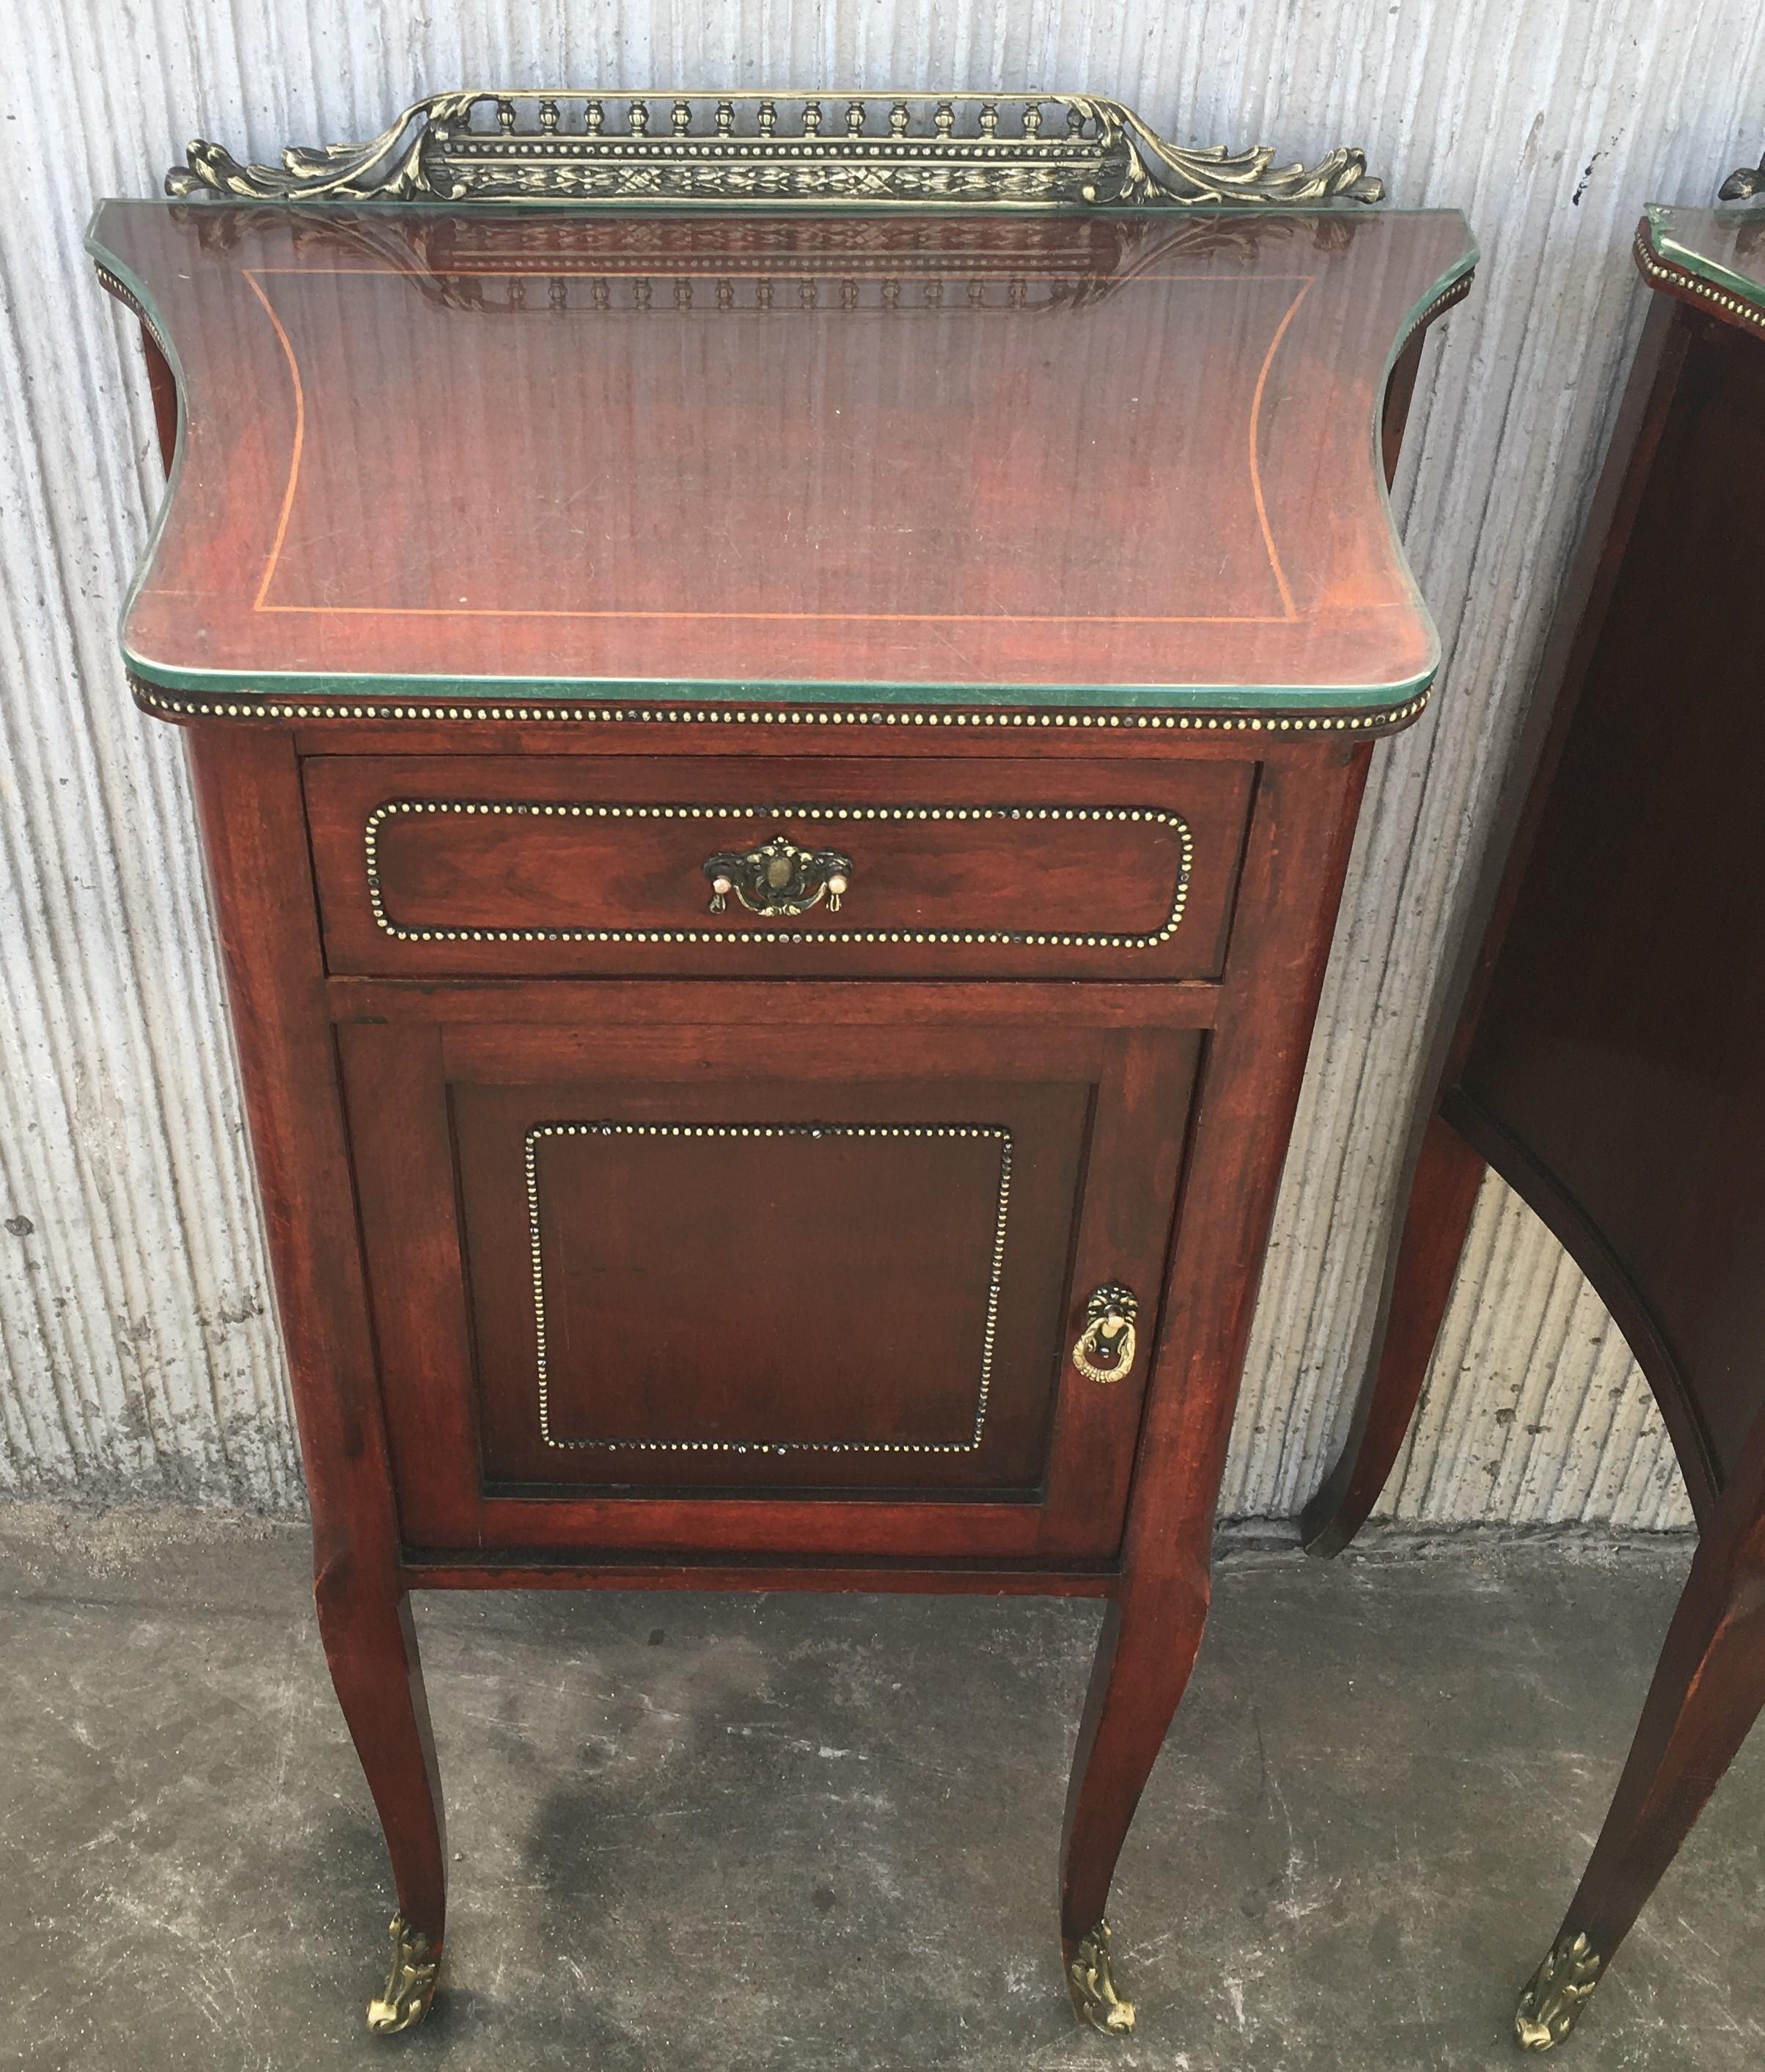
[1108,1333]
[779,878]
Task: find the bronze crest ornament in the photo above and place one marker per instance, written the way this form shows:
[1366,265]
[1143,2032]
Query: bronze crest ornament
[1028,150]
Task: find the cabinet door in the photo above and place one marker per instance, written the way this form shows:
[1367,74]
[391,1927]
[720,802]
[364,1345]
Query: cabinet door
[767,1268]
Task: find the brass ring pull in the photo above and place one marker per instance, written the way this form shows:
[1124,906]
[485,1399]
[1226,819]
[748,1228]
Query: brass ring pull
[1108,1335]
[779,878]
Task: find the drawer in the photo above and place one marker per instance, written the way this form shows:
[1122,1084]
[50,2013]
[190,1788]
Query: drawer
[523,866]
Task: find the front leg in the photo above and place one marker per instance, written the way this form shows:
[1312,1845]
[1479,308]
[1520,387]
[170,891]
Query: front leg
[1144,1654]
[1255,1058]
[370,1646]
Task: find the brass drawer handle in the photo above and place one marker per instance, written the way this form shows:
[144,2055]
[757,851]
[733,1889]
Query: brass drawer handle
[1108,1331]
[778,877]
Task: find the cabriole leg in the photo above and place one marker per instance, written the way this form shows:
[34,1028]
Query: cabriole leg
[370,1646]
[1144,1654]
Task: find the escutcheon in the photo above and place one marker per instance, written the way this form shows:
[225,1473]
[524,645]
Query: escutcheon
[779,878]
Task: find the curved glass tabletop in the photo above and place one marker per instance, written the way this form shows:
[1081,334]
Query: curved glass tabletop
[1725,246]
[1101,459]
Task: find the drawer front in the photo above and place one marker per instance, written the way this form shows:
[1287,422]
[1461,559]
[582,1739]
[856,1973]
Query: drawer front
[523,866]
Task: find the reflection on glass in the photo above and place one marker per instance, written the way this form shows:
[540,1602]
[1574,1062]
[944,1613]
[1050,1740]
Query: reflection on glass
[925,452]
[1723,246]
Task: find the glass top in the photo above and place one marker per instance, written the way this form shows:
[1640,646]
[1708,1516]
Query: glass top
[1723,246]
[1125,458]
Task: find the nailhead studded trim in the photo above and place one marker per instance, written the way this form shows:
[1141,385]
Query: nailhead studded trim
[1683,283]
[150,698]
[1001,1137]
[561,809]
[1456,292]
[108,280]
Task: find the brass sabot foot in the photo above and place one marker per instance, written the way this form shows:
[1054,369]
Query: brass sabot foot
[410,1982]
[1091,1982]
[1560,1989]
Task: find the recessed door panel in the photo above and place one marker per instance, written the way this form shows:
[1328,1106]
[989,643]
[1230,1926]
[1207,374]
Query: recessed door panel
[742,1286]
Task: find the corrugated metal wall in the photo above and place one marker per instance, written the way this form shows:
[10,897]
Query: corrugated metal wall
[137,1352]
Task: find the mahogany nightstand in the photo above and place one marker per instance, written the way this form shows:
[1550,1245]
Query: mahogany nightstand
[777,732]
[1602,1044]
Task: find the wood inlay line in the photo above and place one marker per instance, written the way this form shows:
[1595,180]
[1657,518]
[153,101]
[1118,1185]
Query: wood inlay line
[1256,465]
[665,266]
[863,618]
[256,285]
[1287,616]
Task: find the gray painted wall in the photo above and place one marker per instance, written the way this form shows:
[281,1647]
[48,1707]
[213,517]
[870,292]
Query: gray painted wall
[137,1351]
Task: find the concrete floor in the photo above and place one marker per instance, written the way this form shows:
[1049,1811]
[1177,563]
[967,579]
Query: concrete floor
[734,1833]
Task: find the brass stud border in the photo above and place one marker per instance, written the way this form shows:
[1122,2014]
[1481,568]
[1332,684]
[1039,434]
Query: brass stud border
[249,704]
[108,281]
[1680,282]
[1000,1135]
[1455,292]
[563,809]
